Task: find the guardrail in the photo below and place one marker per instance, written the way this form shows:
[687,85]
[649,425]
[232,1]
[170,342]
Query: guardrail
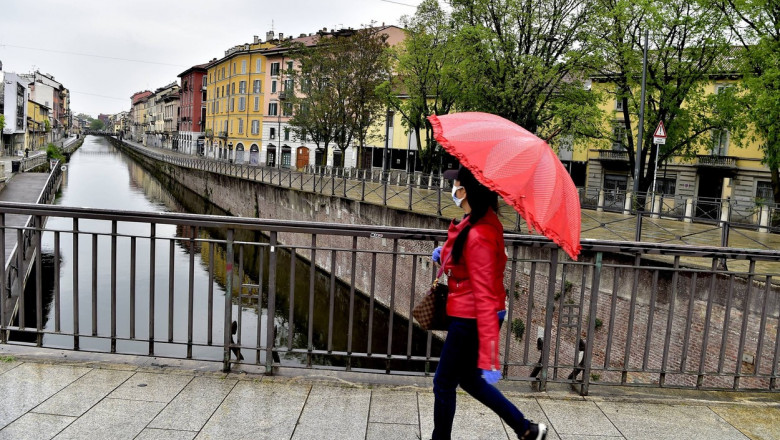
[648,314]
[16,269]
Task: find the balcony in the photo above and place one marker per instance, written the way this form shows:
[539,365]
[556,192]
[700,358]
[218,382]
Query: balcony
[222,134]
[613,155]
[716,161]
[283,96]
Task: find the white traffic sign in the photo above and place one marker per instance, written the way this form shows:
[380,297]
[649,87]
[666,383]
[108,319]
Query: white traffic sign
[659,137]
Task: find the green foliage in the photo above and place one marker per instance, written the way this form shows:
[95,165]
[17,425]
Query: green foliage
[526,63]
[2,123]
[757,26]
[7,359]
[426,74]
[52,152]
[687,44]
[338,80]
[518,328]
[594,377]
[599,323]
[46,125]
[96,124]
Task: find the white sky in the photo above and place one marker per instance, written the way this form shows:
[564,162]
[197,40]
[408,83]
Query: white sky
[167,35]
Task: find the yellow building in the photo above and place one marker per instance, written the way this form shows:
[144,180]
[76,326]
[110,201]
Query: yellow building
[720,171]
[235,102]
[38,125]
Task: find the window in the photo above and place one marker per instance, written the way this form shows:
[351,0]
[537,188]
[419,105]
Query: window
[287,109]
[287,133]
[243,66]
[255,127]
[258,65]
[223,73]
[666,186]
[257,103]
[720,142]
[272,133]
[242,87]
[223,90]
[233,88]
[615,186]
[274,69]
[272,109]
[241,104]
[256,86]
[273,86]
[240,126]
[288,85]
[764,191]
[234,68]
[232,104]
[619,137]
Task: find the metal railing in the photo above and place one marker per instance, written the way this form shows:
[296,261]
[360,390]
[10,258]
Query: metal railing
[649,314]
[15,269]
[422,192]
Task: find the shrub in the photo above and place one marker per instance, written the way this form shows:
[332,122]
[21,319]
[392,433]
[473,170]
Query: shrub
[599,323]
[52,152]
[518,328]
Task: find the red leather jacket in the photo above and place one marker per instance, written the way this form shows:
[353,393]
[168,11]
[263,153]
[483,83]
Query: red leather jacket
[476,282]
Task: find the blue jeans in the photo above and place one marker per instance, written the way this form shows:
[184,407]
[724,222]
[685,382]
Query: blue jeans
[458,366]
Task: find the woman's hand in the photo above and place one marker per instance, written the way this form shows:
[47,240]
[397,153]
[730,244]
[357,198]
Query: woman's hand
[491,376]
[436,255]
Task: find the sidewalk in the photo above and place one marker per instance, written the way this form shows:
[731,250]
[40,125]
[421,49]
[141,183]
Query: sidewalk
[72,395]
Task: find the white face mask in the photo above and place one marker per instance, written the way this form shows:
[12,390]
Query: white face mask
[455,198]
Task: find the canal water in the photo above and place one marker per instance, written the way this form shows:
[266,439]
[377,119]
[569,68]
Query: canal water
[100,176]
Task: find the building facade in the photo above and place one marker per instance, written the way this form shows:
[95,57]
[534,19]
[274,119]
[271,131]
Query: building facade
[45,90]
[38,126]
[13,106]
[192,118]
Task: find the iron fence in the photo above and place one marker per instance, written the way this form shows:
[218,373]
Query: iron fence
[626,313]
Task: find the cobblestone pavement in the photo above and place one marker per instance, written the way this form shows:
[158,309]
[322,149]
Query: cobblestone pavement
[66,395]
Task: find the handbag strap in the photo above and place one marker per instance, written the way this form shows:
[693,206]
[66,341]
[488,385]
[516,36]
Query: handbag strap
[441,268]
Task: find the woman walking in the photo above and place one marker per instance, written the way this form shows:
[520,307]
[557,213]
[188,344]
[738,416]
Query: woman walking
[474,260]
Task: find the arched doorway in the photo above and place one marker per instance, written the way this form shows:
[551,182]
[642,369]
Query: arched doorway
[254,155]
[301,158]
[286,156]
[270,155]
[240,153]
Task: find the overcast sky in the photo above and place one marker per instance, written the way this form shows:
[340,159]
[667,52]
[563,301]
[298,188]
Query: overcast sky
[164,37]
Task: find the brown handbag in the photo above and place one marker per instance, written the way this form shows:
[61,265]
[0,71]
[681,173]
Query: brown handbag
[431,312]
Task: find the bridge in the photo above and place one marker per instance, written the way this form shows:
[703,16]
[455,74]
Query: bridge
[290,298]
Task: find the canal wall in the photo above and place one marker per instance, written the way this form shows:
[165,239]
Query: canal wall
[622,309]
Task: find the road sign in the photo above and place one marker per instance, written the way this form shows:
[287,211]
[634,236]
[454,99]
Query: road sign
[659,137]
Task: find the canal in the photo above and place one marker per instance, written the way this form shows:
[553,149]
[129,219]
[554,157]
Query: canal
[100,176]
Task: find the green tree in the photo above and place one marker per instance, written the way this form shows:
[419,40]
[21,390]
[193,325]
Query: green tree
[524,60]
[756,24]
[337,81]
[96,124]
[2,127]
[424,82]
[687,46]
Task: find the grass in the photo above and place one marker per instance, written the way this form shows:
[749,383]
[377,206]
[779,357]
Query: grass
[7,359]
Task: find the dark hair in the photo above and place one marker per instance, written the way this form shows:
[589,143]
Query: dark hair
[480,199]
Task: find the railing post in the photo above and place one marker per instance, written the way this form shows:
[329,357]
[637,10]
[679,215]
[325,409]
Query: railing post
[548,318]
[590,335]
[688,210]
[600,203]
[228,301]
[410,197]
[763,220]
[363,188]
[638,232]
[725,210]
[384,192]
[270,330]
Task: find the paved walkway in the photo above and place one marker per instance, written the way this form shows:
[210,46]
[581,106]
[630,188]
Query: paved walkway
[22,188]
[67,395]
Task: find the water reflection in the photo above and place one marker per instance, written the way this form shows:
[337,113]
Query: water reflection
[101,176]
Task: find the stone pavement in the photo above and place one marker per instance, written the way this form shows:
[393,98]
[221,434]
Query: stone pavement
[71,395]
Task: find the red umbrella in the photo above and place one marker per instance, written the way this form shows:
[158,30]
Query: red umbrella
[520,167]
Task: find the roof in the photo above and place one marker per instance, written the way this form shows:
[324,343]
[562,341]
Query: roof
[195,68]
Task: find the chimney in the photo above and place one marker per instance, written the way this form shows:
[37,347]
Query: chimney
[281,36]
[257,39]
[269,35]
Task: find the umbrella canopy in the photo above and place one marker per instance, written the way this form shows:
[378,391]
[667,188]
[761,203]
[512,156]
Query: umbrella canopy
[520,167]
